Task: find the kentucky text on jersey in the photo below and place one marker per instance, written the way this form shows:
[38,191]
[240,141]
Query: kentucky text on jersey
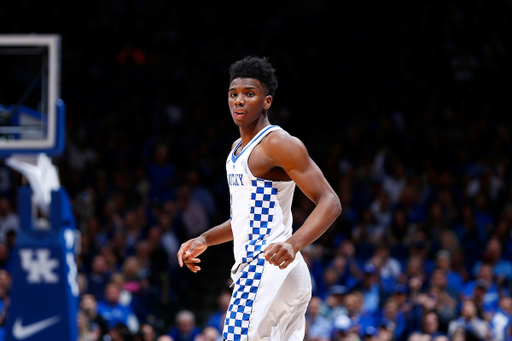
[235,179]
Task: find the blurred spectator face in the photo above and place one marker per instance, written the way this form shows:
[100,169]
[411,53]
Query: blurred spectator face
[154,236]
[148,333]
[467,215]
[4,207]
[164,338]
[441,338]
[443,260]
[350,337]
[506,304]
[185,321]
[339,264]
[5,280]
[414,267]
[99,265]
[384,202]
[468,310]
[430,323]
[130,220]
[88,304]
[352,304]
[481,202]
[382,252]
[161,155]
[391,309]
[439,279]
[436,212]
[223,301]
[143,250]
[449,241]
[164,220]
[314,306]
[330,277]
[131,267]
[459,335]
[494,249]
[486,272]
[112,293]
[210,334]
[10,239]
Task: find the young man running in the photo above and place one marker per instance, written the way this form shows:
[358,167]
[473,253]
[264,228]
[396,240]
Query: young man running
[272,282]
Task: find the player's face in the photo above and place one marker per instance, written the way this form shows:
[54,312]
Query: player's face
[247,99]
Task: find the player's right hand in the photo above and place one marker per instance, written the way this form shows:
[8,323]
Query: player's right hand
[189,251]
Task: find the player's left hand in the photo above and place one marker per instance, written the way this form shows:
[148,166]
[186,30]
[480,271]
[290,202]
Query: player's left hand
[280,254]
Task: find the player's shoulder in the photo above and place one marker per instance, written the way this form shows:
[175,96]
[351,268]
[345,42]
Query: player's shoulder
[281,142]
[281,138]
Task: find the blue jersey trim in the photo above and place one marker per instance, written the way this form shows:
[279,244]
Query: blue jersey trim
[234,158]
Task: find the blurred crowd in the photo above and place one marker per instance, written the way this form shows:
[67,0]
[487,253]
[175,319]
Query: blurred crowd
[420,161]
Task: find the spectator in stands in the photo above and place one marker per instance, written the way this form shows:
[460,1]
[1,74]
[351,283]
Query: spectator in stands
[474,327]
[501,321]
[319,327]
[217,319]
[99,277]
[430,325]
[8,220]
[454,281]
[484,290]
[147,332]
[115,313]
[185,329]
[393,319]
[370,289]
[191,213]
[358,320]
[394,184]
[209,334]
[161,175]
[389,267]
[381,209]
[334,303]
[89,307]
[493,255]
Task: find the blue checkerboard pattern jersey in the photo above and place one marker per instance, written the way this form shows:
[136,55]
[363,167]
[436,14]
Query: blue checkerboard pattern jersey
[260,215]
[263,202]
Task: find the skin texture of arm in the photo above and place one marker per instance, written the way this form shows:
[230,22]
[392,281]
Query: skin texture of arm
[190,250]
[284,152]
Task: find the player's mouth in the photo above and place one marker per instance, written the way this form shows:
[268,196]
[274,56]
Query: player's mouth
[238,113]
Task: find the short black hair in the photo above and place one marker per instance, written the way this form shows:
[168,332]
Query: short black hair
[257,68]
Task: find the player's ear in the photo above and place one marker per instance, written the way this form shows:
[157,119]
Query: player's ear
[267,103]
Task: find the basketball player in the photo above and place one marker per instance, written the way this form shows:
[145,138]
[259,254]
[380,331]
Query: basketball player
[272,281]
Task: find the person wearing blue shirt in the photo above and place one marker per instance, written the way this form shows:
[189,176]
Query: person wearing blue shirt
[370,289]
[320,328]
[492,255]
[501,321]
[484,285]
[115,313]
[185,329]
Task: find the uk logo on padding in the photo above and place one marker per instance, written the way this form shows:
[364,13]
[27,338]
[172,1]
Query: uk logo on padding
[41,268]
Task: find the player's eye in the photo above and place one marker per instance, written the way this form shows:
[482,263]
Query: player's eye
[232,94]
[250,94]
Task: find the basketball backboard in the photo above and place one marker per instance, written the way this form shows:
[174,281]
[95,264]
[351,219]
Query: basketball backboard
[31,111]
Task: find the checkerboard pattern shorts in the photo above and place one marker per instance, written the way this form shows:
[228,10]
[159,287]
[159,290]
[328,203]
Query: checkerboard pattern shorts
[269,303]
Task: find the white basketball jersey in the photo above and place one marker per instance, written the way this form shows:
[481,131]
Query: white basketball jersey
[260,209]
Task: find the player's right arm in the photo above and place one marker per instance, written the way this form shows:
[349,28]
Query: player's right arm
[190,250]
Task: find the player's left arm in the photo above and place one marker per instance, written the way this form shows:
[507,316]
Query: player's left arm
[291,155]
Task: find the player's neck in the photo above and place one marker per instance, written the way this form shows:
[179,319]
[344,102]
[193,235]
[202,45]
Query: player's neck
[248,132]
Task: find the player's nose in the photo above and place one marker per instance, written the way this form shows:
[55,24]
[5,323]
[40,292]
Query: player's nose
[239,100]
